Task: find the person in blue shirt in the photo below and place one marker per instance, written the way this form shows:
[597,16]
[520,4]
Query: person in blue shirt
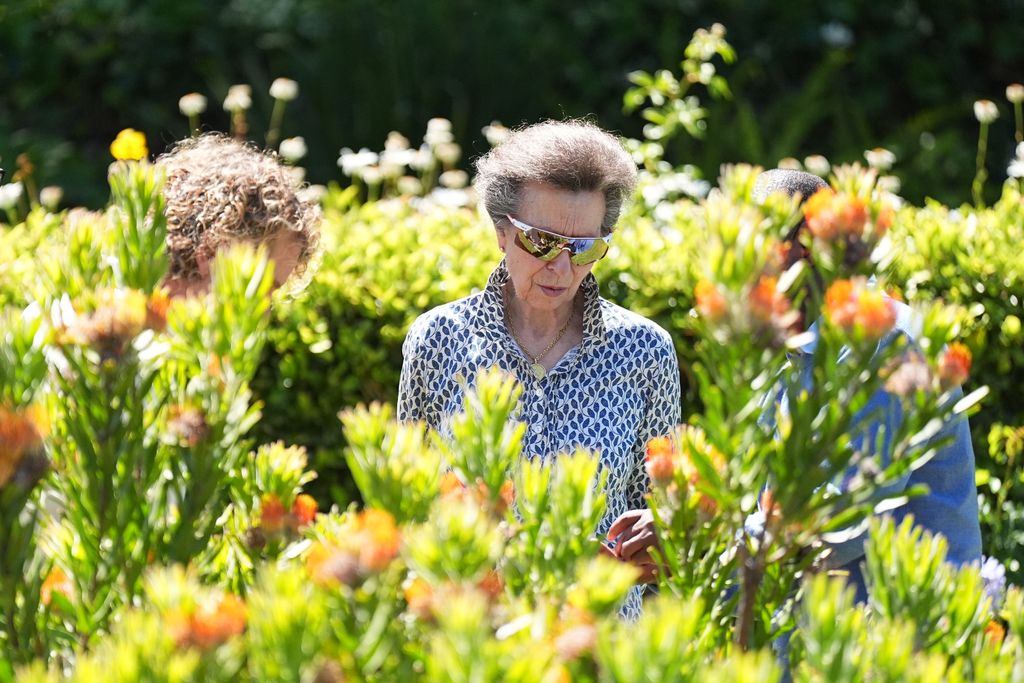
[950,506]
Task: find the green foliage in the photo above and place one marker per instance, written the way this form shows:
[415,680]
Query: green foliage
[907,577]
[392,468]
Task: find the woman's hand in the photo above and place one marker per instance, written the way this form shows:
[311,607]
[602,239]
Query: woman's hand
[634,535]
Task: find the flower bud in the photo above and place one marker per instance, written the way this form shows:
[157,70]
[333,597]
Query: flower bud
[985,111]
[192,104]
[284,89]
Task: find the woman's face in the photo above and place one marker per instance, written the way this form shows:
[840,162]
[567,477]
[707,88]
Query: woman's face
[550,285]
[283,251]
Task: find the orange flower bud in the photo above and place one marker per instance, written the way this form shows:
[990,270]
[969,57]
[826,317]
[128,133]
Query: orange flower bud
[56,582]
[450,484]
[21,431]
[304,509]
[995,632]
[710,302]
[855,308]
[491,584]
[271,514]
[875,314]
[660,460]
[215,621]
[420,598]
[954,365]
[379,539]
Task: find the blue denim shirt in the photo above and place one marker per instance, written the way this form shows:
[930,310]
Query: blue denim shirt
[949,508]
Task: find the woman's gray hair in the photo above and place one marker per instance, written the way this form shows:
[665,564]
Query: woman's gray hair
[573,155]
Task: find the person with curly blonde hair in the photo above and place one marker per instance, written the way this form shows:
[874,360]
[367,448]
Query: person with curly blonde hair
[220,191]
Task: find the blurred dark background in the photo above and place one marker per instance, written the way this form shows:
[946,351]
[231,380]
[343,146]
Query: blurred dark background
[833,78]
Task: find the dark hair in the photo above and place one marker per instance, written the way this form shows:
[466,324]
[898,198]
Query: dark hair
[219,191]
[571,155]
[788,182]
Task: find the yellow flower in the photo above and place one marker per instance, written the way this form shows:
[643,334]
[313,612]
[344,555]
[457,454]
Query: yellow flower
[129,145]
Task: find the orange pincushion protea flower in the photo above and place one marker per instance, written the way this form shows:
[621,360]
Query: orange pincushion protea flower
[452,489]
[188,425]
[710,302]
[995,632]
[450,483]
[660,460]
[271,514]
[491,584]
[217,620]
[56,582]
[954,365]
[831,216]
[156,310]
[694,440]
[420,598]
[379,539]
[21,431]
[857,310]
[304,509]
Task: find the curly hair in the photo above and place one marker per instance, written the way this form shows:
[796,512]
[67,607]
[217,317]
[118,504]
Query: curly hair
[573,155]
[219,191]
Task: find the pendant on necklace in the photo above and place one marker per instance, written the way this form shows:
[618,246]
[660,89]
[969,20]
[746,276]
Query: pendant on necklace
[538,370]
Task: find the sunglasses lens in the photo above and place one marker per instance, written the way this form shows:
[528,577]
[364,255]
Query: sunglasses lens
[588,251]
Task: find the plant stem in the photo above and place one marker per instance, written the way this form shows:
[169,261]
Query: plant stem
[977,188]
[751,571]
[1019,118]
[274,130]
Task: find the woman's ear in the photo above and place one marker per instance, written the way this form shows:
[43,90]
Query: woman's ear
[500,233]
[203,265]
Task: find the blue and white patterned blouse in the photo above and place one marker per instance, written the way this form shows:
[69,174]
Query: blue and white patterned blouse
[612,393]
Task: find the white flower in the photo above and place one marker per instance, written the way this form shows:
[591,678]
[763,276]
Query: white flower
[399,158]
[284,89]
[239,98]
[312,194]
[371,175]
[9,195]
[443,196]
[353,162]
[293,149]
[818,165]
[888,183]
[455,179]
[1016,167]
[296,174]
[439,132]
[1015,93]
[423,159]
[880,158]
[495,133]
[410,185]
[50,197]
[448,153]
[192,104]
[790,164]
[396,142]
[985,111]
[439,124]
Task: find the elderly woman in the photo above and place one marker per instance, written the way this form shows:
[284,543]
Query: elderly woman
[220,191]
[594,374]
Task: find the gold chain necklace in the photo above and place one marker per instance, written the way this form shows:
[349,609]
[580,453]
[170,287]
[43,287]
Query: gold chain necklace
[536,367]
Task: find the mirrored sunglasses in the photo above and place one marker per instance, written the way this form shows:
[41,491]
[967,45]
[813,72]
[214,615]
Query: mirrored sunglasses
[546,245]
